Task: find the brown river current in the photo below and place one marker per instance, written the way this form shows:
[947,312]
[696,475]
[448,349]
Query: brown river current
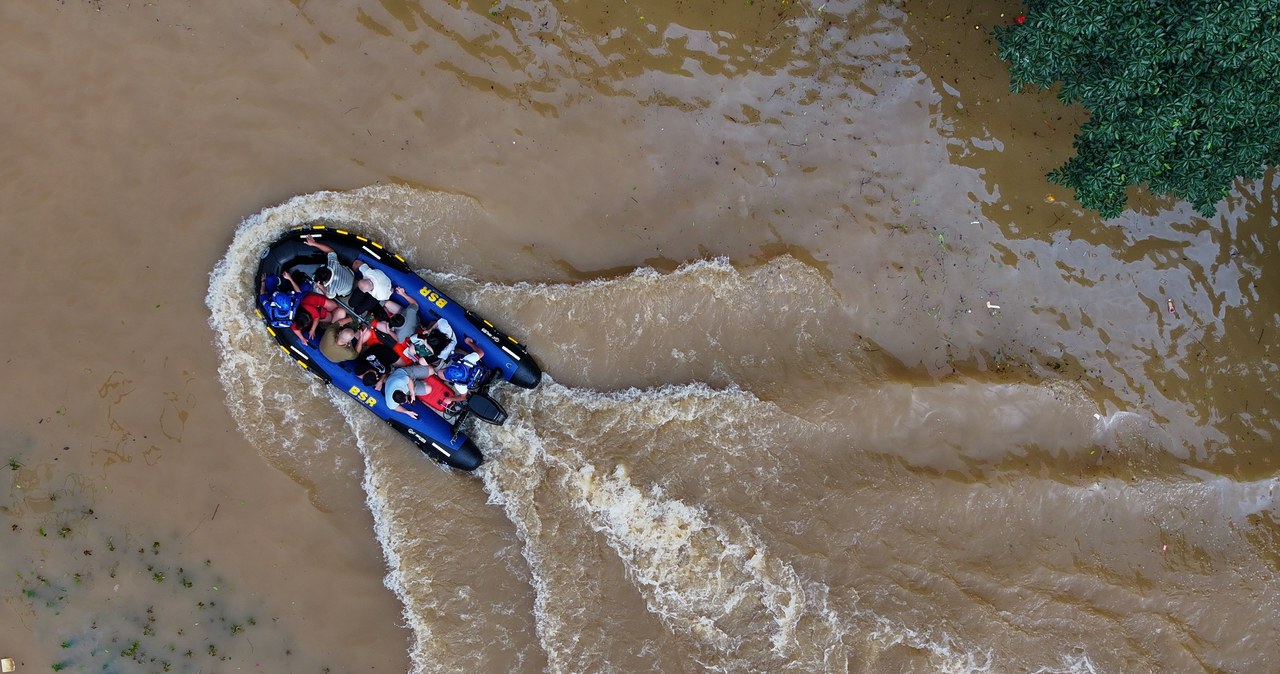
[837,381]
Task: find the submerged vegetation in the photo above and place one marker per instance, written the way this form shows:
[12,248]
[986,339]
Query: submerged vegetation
[1184,97]
[153,625]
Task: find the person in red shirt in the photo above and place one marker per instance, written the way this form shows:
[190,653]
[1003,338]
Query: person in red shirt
[318,309]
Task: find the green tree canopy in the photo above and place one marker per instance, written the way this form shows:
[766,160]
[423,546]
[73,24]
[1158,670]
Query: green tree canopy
[1184,95]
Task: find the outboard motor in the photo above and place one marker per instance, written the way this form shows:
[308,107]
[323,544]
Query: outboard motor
[486,409]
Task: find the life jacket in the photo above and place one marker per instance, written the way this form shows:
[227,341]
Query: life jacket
[377,336]
[460,372]
[280,307]
[436,392]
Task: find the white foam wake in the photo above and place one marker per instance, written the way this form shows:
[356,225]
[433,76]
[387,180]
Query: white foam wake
[710,578]
[698,576]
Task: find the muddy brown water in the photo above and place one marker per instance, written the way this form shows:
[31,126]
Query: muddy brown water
[758,247]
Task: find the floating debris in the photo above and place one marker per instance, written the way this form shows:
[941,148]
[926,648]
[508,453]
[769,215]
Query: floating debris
[6,665]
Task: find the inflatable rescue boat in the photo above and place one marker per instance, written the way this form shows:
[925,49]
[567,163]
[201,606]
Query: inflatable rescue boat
[294,277]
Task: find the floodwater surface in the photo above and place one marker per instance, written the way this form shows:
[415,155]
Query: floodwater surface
[836,380]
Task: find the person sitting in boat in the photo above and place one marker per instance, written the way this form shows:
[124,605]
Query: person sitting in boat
[440,397]
[441,339]
[367,295]
[393,331]
[374,281]
[301,277]
[365,302]
[378,338]
[428,345]
[375,332]
[376,353]
[338,343]
[464,373]
[320,310]
[299,310]
[374,362]
[424,346]
[280,305]
[411,342]
[403,321]
[335,279]
[414,350]
[414,383]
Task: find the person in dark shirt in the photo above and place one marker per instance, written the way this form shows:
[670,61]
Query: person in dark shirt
[374,363]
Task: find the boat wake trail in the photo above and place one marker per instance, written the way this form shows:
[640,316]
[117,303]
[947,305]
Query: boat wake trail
[698,576]
[601,545]
[697,488]
[709,579]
